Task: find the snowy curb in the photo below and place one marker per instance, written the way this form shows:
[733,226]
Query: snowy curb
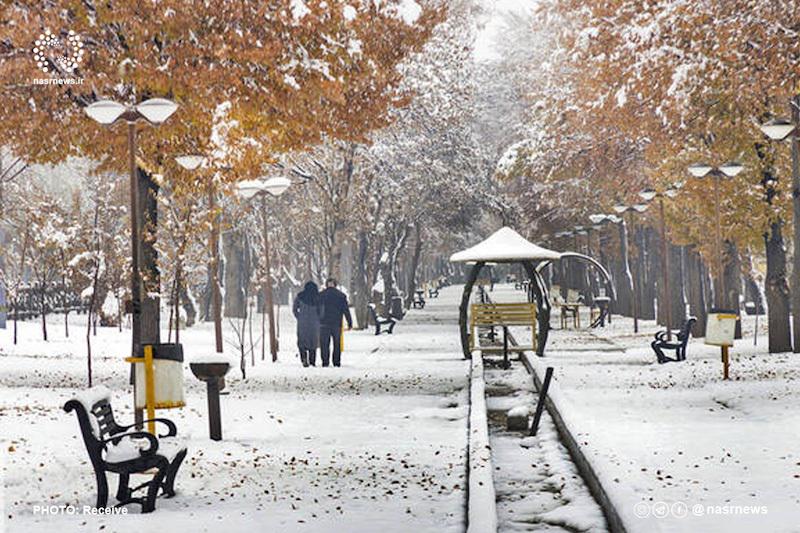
[587,471]
[481,505]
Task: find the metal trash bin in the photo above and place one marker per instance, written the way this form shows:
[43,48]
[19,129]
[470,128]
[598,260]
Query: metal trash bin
[167,377]
[397,310]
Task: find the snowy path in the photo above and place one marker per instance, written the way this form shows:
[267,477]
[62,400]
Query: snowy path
[377,445]
[677,448]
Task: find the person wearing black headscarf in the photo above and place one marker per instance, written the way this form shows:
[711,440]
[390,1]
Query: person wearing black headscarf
[307,309]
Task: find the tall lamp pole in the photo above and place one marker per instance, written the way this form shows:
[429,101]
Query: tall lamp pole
[728,170]
[648,195]
[778,130]
[273,187]
[153,111]
[192,163]
[630,210]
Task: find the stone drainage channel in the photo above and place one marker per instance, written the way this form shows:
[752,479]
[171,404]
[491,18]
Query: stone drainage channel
[537,485]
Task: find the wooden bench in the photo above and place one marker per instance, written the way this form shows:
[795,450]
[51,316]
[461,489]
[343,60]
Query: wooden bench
[380,321]
[491,315]
[117,449]
[682,337]
[433,293]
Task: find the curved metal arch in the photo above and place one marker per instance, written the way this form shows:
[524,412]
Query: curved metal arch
[587,259]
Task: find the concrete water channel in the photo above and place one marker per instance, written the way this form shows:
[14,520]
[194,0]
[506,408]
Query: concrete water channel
[537,486]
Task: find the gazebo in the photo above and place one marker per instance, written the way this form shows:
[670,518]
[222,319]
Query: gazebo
[507,246]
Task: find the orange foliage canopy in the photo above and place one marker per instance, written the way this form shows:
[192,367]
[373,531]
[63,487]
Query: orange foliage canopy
[252,78]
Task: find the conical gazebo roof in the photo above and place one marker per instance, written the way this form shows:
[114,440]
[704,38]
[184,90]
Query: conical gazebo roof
[504,246]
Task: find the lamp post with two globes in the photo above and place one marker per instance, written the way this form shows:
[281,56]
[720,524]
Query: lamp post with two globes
[191,163]
[648,195]
[273,187]
[728,170]
[153,111]
[630,210]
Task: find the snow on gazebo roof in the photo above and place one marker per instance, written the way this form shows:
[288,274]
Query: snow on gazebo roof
[504,246]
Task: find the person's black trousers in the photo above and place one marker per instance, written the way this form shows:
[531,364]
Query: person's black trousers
[327,335]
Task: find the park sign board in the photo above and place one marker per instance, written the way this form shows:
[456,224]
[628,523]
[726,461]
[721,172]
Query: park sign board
[720,331]
[721,327]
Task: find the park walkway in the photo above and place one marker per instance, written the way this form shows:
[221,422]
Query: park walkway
[377,445]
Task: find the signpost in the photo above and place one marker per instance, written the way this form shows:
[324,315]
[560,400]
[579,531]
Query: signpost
[720,330]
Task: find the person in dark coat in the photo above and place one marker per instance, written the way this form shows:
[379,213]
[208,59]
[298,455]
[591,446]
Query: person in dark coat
[307,309]
[335,307]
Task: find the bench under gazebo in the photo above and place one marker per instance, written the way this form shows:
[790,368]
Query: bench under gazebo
[507,246]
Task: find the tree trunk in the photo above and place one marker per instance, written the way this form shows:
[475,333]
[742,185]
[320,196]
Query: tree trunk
[753,292]
[64,302]
[733,282]
[206,311]
[178,302]
[214,268]
[624,280]
[677,299]
[3,301]
[43,298]
[649,273]
[187,302]
[234,274]
[696,284]
[151,277]
[412,269]
[335,252]
[361,292]
[777,290]
[273,338]
[795,296]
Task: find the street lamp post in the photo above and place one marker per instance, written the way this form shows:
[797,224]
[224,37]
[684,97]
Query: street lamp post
[778,130]
[191,163]
[599,220]
[648,195]
[153,111]
[730,169]
[274,187]
[630,210]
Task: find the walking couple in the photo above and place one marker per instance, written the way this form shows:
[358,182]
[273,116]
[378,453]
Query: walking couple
[319,321]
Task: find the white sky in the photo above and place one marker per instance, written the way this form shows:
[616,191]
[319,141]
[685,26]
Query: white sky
[492,24]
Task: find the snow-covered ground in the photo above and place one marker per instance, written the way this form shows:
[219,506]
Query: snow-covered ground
[377,445]
[675,446]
